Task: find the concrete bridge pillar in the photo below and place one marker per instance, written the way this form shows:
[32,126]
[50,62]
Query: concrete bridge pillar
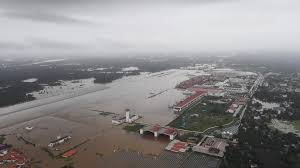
[141,131]
[155,134]
[171,137]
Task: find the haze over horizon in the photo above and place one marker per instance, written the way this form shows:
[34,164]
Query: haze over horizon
[88,26]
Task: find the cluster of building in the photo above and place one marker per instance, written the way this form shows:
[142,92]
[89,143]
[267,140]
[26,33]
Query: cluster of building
[236,106]
[208,145]
[210,91]
[12,157]
[211,146]
[59,140]
[198,80]
[220,83]
[204,67]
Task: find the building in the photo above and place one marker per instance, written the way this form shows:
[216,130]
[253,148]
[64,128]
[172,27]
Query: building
[59,140]
[69,153]
[13,158]
[211,91]
[177,146]
[211,146]
[118,120]
[237,105]
[189,101]
[129,118]
[157,130]
[3,149]
[236,90]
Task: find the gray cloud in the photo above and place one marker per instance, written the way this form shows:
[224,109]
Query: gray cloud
[51,44]
[150,25]
[42,17]
[11,46]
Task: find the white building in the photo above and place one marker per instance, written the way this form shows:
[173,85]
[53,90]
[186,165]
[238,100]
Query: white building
[131,118]
[59,140]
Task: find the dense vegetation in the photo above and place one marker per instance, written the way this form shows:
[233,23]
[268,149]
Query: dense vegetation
[133,127]
[13,90]
[259,145]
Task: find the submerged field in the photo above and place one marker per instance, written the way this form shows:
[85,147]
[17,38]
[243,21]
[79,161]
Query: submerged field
[202,116]
[296,124]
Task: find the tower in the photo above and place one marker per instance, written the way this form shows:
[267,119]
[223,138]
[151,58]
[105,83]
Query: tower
[127,116]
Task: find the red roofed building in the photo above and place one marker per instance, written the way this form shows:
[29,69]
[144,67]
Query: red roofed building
[69,153]
[13,158]
[158,130]
[155,128]
[169,131]
[177,146]
[189,101]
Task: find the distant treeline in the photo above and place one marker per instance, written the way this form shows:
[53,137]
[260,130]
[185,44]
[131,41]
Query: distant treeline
[14,91]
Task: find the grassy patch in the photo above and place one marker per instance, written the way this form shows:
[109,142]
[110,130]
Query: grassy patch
[296,124]
[203,116]
[133,127]
[105,113]
[2,139]
[294,160]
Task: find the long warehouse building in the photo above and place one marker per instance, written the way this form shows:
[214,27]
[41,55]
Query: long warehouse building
[189,101]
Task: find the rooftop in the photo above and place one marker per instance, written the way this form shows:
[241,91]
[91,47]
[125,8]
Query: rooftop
[189,99]
[69,153]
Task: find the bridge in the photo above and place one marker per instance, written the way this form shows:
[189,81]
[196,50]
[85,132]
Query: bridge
[159,130]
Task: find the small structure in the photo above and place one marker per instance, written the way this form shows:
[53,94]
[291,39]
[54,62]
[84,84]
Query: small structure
[129,117]
[227,134]
[3,149]
[237,105]
[177,146]
[59,140]
[118,120]
[69,153]
[29,128]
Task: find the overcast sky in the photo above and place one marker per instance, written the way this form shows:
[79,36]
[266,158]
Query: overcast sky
[124,26]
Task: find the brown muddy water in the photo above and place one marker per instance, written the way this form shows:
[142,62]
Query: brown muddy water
[79,118]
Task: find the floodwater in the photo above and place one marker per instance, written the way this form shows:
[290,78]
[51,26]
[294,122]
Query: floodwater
[126,93]
[77,115]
